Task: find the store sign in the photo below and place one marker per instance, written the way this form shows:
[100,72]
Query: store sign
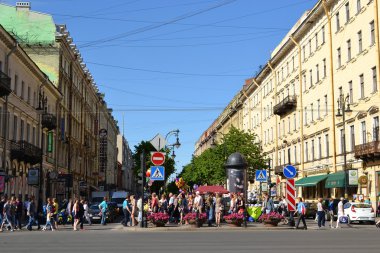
[50,142]
[33,176]
[363,180]
[352,177]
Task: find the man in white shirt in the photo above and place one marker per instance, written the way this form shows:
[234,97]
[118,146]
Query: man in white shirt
[340,211]
[320,214]
[198,202]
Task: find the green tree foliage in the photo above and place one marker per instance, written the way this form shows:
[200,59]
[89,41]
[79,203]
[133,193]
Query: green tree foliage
[147,147]
[208,168]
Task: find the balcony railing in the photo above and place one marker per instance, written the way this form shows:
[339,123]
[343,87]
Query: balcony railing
[5,84]
[286,105]
[370,150]
[26,152]
[49,121]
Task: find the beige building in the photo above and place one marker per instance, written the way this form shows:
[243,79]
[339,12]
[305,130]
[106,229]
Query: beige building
[81,109]
[292,103]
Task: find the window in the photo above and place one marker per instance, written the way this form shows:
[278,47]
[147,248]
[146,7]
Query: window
[295,154]
[289,124]
[326,105]
[16,85]
[351,92]
[306,115]
[311,77]
[339,53]
[317,70]
[312,112]
[337,21]
[324,68]
[310,51]
[28,132]
[21,130]
[22,90]
[295,121]
[292,63]
[15,128]
[34,136]
[358,6]
[352,137]
[312,150]
[364,133]
[360,42]
[283,127]
[304,82]
[28,95]
[361,80]
[316,41]
[376,128]
[372,27]
[374,79]
[342,141]
[306,152]
[347,12]
[327,145]
[303,52]
[319,147]
[323,35]
[348,50]
[319,108]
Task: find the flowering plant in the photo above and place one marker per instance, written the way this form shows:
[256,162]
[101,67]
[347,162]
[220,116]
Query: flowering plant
[193,216]
[271,217]
[235,217]
[158,218]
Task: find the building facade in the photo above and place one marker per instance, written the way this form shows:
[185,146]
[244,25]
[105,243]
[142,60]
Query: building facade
[125,159]
[291,104]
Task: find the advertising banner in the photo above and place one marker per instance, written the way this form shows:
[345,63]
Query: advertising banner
[352,177]
[33,176]
[235,181]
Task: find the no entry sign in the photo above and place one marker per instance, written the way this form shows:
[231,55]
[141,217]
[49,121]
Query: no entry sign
[157,158]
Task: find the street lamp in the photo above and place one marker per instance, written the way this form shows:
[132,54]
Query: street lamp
[176,144]
[343,108]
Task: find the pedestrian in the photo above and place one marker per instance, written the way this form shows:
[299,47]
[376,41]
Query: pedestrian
[76,214]
[133,210]
[13,212]
[55,214]
[210,209]
[321,214]
[154,203]
[163,204]
[331,212]
[31,212]
[269,205]
[340,211]
[86,213]
[301,210]
[104,209]
[183,209]
[232,204]
[198,202]
[378,209]
[7,219]
[126,210]
[218,209]
[81,213]
[18,216]
[139,208]
[2,203]
[49,215]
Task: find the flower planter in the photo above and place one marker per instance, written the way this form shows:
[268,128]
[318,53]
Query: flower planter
[194,224]
[234,223]
[271,223]
[159,224]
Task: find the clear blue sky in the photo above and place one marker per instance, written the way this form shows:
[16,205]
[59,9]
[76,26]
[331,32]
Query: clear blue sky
[174,64]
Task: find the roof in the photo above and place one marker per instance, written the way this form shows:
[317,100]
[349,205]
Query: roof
[28,27]
[212,188]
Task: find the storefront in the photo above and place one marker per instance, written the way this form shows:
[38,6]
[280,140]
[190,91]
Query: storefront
[313,187]
[338,181]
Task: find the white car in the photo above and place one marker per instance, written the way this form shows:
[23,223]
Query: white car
[359,212]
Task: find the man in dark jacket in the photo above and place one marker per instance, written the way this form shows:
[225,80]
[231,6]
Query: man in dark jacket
[31,212]
[81,213]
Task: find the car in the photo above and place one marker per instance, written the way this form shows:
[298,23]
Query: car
[360,212]
[311,209]
[95,214]
[113,211]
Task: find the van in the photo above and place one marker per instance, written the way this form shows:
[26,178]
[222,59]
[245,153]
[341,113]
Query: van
[119,198]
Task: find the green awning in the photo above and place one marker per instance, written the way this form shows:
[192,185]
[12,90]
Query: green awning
[310,181]
[336,180]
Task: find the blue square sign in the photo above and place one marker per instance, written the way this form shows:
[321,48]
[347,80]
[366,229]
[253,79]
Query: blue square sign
[261,175]
[157,173]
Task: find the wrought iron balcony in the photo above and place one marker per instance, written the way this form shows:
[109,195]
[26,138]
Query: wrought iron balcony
[286,105]
[49,121]
[368,151]
[5,84]
[26,152]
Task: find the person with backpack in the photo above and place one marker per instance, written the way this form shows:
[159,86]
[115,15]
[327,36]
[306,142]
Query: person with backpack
[301,210]
[7,218]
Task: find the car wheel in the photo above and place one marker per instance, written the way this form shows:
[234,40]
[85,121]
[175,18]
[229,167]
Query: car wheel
[349,220]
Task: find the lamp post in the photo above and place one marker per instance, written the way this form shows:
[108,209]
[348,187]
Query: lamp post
[343,108]
[176,144]
[269,177]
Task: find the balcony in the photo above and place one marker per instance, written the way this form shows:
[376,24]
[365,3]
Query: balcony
[368,151]
[49,121]
[26,152]
[5,84]
[286,105]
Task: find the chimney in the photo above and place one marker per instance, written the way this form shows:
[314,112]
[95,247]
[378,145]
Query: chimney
[23,6]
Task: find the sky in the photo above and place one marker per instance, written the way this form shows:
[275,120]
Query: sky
[172,64]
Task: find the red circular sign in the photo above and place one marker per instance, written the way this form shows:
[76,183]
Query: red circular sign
[158,158]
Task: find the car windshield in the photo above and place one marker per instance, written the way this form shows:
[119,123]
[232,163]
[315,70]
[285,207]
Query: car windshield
[362,205]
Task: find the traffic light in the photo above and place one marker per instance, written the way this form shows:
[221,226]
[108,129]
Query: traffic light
[140,178]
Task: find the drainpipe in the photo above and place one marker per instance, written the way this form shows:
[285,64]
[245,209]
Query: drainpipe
[376,3]
[275,102]
[6,114]
[332,81]
[301,100]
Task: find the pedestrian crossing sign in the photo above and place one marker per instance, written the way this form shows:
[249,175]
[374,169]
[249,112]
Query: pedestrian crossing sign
[157,173]
[261,175]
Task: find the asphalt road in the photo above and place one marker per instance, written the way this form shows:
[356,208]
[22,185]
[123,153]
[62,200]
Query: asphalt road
[110,239]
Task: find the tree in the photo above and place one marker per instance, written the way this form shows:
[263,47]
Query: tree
[147,147]
[208,168]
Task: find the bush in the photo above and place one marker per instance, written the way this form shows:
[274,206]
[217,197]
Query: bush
[158,218]
[234,217]
[193,216]
[271,217]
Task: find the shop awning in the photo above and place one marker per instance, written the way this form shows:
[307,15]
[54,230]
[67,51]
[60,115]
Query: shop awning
[336,180]
[310,181]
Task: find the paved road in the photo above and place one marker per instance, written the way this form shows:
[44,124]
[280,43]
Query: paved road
[115,239]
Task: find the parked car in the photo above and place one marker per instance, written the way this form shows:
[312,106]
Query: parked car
[360,212]
[113,211]
[95,214]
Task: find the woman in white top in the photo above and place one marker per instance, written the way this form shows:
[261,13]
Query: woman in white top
[340,211]
[86,214]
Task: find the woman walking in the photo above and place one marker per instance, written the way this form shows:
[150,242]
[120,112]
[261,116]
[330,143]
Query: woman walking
[86,213]
[49,215]
[218,209]
[76,214]
[133,211]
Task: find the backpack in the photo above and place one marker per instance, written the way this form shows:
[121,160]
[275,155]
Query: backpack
[303,209]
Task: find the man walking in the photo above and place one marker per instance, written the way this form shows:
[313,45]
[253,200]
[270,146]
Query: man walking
[301,210]
[126,210]
[321,214]
[81,213]
[2,203]
[104,208]
[7,218]
[31,212]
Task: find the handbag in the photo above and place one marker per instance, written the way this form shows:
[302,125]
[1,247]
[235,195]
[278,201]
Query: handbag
[343,219]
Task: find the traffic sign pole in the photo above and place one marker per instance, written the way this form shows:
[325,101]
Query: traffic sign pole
[291,199]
